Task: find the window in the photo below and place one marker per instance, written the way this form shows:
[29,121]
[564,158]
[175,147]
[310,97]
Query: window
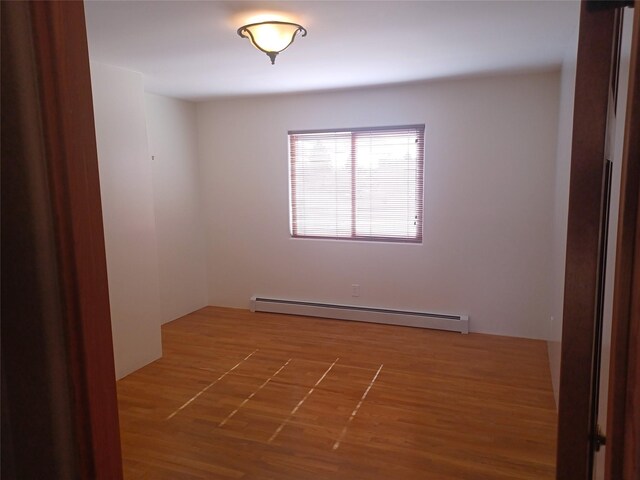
[360,184]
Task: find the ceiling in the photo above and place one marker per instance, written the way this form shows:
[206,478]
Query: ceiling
[190,49]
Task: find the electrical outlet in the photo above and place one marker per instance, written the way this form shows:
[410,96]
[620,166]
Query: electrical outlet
[355,290]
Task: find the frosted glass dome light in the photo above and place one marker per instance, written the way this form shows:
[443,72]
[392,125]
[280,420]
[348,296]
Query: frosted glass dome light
[271,37]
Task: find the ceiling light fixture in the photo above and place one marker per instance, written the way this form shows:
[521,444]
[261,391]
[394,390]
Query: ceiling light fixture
[271,37]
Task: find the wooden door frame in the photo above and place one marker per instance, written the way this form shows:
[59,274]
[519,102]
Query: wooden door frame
[51,57]
[593,70]
[622,459]
[62,57]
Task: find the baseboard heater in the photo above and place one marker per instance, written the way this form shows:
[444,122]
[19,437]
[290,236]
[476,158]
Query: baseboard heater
[438,321]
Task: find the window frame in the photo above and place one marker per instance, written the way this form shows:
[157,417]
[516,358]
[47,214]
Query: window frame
[355,132]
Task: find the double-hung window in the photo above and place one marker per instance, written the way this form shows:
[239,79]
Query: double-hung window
[357,184]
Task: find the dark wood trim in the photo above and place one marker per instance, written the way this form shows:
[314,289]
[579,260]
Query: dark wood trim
[595,46]
[70,147]
[36,403]
[623,420]
[595,5]
[631,441]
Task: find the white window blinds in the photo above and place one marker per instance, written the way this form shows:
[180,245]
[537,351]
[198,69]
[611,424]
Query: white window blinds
[361,184]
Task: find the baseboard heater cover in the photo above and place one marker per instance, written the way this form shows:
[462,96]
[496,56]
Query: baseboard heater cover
[438,321]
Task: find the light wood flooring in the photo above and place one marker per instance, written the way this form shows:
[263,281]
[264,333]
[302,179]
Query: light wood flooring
[264,396]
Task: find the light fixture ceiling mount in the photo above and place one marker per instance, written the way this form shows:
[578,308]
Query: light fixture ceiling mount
[271,37]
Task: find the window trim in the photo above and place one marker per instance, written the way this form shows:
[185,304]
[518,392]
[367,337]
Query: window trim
[353,237]
[417,126]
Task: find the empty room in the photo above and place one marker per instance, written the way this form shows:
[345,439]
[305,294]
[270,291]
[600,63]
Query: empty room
[322,240]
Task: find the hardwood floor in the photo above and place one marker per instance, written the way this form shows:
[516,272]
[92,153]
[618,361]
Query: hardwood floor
[264,396]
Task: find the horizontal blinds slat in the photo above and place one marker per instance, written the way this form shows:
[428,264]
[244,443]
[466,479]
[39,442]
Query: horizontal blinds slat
[362,184]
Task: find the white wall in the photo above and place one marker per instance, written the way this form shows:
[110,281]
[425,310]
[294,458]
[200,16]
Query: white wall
[490,169]
[561,206]
[172,132]
[129,223]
